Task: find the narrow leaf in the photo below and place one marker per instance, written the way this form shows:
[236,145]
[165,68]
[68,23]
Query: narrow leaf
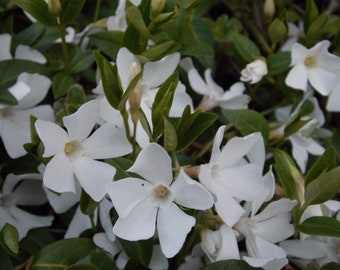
[129,90]
[170,136]
[61,83]
[81,61]
[230,265]
[321,225]
[245,47]
[310,14]
[70,10]
[295,124]
[9,239]
[138,250]
[135,17]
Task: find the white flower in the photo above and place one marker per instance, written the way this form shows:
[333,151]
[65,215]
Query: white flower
[294,32]
[315,65]
[333,102]
[254,71]
[235,173]
[22,190]
[5,52]
[214,95]
[261,231]
[29,90]
[75,152]
[145,204]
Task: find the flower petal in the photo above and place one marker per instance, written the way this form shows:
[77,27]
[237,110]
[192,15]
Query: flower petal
[53,137]
[138,224]
[27,53]
[79,224]
[5,41]
[63,202]
[154,164]
[322,80]
[299,53]
[215,152]
[197,196]
[127,193]
[58,175]
[333,102]
[105,207]
[197,83]
[80,124]
[306,249]
[106,142]
[125,59]
[93,176]
[173,225]
[19,90]
[112,247]
[297,77]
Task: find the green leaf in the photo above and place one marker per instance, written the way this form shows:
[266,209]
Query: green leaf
[9,239]
[311,13]
[110,79]
[81,61]
[230,265]
[295,124]
[320,225]
[132,40]
[245,47]
[279,63]
[160,50]
[70,10]
[6,97]
[170,136]
[39,10]
[62,253]
[30,34]
[144,122]
[61,83]
[288,174]
[330,266]
[75,98]
[133,264]
[82,266]
[5,261]
[134,15]
[190,126]
[324,163]
[248,121]
[108,42]
[316,29]
[87,204]
[122,165]
[138,250]
[323,188]
[35,240]
[129,91]
[277,31]
[102,261]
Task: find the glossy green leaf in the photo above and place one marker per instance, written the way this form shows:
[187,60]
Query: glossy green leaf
[316,29]
[39,10]
[62,253]
[141,250]
[122,165]
[61,83]
[170,136]
[160,50]
[311,13]
[133,264]
[30,34]
[87,204]
[320,225]
[324,163]
[6,97]
[81,266]
[5,261]
[129,90]
[248,121]
[330,266]
[9,239]
[295,124]
[102,261]
[70,10]
[230,265]
[135,17]
[144,122]
[35,240]
[279,63]
[110,79]
[190,126]
[245,47]
[323,188]
[81,61]
[108,42]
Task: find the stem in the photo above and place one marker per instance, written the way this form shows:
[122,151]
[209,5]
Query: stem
[93,225]
[96,12]
[134,144]
[62,32]
[188,16]
[175,159]
[126,124]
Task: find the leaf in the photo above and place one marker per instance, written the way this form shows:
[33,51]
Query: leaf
[102,261]
[317,29]
[62,253]
[133,264]
[81,61]
[170,136]
[311,12]
[30,34]
[75,98]
[324,163]
[140,250]
[330,266]
[6,97]
[323,188]
[82,266]
[61,83]
[122,165]
[129,90]
[295,124]
[230,265]
[320,225]
[278,63]
[134,15]
[160,50]
[35,240]
[245,47]
[70,10]
[248,121]
[9,239]
[87,204]
[108,42]
[39,10]
[5,261]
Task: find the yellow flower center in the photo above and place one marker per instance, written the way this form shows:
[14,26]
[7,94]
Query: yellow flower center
[72,147]
[3,111]
[162,192]
[310,61]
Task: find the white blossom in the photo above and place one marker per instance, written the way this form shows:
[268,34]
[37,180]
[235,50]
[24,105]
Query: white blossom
[254,71]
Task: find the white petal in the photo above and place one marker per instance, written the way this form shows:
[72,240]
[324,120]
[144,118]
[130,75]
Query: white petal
[196,197]
[106,142]
[127,193]
[299,53]
[27,53]
[93,176]
[297,77]
[63,202]
[155,73]
[275,208]
[214,89]
[299,151]
[215,152]
[322,80]
[138,224]
[180,101]
[53,137]
[333,103]
[158,260]
[101,240]
[306,249]
[39,85]
[154,164]
[23,193]
[173,225]
[79,224]
[266,263]
[5,41]
[229,249]
[124,61]
[80,124]
[58,174]
[105,207]
[197,83]
[19,90]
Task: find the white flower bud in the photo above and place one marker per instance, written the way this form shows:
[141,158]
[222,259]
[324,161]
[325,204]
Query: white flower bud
[269,8]
[254,71]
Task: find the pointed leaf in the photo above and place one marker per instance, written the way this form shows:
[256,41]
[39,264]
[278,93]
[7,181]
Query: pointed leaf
[295,124]
[230,265]
[278,63]
[131,87]
[81,61]
[70,10]
[61,83]
[311,12]
[35,240]
[138,250]
[9,239]
[6,97]
[135,17]
[144,122]
[102,261]
[87,204]
[108,42]
[245,47]
[320,225]
[170,136]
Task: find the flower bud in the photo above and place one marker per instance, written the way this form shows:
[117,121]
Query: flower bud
[269,8]
[54,7]
[157,6]
[136,96]
[254,71]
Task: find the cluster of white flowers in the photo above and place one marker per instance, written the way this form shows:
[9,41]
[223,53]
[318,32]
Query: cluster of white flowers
[230,201]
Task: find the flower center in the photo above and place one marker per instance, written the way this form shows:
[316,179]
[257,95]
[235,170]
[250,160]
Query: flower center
[161,192]
[72,147]
[310,61]
[3,111]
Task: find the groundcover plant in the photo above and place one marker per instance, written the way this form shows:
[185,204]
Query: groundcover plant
[169,134]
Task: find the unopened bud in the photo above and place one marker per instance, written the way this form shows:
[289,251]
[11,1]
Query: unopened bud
[54,7]
[136,96]
[269,8]
[157,6]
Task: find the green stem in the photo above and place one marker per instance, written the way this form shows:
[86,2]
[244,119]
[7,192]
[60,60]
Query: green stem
[134,143]
[66,57]
[96,12]
[93,224]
